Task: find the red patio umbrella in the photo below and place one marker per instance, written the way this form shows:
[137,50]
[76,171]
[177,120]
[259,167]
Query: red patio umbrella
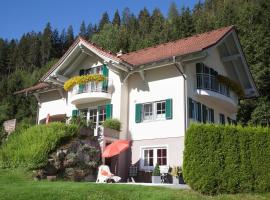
[115,148]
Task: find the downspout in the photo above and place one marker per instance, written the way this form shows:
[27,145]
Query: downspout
[179,67]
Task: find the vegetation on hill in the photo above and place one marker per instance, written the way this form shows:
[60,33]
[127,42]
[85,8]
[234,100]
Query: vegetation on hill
[29,148]
[23,61]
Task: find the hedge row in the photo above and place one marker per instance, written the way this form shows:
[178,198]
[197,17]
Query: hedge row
[227,159]
[30,148]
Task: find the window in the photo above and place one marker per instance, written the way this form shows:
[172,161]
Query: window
[83,113]
[162,156]
[94,70]
[154,155]
[102,114]
[221,119]
[148,111]
[148,157]
[93,115]
[154,111]
[160,110]
[200,112]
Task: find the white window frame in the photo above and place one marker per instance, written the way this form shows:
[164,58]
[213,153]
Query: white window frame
[155,148]
[155,116]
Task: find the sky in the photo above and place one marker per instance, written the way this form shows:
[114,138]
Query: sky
[21,16]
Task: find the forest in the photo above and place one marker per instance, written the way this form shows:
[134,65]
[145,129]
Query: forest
[23,61]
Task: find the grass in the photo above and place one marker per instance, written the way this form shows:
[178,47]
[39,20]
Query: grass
[17,184]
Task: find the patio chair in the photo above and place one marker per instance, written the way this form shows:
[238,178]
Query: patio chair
[164,170]
[105,175]
[133,172]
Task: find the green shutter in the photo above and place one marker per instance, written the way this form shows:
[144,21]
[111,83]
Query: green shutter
[105,72]
[168,108]
[212,115]
[190,107]
[199,112]
[138,113]
[74,113]
[81,72]
[108,108]
[204,113]
[81,88]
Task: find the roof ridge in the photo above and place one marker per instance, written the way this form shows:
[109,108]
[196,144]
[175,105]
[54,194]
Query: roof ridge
[174,41]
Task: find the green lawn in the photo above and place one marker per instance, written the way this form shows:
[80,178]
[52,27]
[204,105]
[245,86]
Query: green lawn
[18,185]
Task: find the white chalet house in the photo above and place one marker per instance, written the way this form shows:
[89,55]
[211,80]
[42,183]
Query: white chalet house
[155,92]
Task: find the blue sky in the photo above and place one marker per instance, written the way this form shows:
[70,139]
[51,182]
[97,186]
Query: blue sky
[21,16]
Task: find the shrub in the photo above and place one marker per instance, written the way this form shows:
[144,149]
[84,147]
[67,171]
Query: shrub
[112,123]
[30,148]
[176,171]
[227,159]
[156,171]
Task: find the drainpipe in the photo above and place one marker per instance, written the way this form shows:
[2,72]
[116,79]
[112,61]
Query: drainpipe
[179,67]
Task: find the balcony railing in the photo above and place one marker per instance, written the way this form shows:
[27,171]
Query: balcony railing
[210,82]
[91,87]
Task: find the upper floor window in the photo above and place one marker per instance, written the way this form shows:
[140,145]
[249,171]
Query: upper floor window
[200,112]
[207,79]
[153,110]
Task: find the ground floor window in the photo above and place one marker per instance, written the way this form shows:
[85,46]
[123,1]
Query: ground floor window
[152,156]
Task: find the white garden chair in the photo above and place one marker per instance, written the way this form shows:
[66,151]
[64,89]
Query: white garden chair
[105,175]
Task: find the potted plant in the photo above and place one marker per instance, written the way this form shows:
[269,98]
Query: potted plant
[175,173]
[156,175]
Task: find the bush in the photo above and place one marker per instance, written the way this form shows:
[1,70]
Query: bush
[156,171]
[112,123]
[227,159]
[29,148]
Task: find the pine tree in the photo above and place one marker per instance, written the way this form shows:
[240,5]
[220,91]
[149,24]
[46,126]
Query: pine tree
[173,20]
[83,32]
[116,19]
[46,48]
[104,20]
[69,38]
[90,31]
[158,30]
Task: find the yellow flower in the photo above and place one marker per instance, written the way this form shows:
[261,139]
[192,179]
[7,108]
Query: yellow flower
[69,84]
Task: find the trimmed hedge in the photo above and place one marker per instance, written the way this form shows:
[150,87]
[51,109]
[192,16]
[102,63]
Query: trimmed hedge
[29,148]
[227,159]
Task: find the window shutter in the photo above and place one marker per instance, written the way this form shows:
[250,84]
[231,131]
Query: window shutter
[204,113]
[81,72]
[81,88]
[105,72]
[199,112]
[138,113]
[74,113]
[190,107]
[212,115]
[168,108]
[199,68]
[108,108]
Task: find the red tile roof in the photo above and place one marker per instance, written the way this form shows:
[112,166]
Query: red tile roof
[38,86]
[176,48]
[180,47]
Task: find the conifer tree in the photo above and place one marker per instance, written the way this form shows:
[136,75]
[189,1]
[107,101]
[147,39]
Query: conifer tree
[116,19]
[83,31]
[104,20]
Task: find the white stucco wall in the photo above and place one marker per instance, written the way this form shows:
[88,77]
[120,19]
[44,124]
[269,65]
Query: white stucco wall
[51,103]
[160,84]
[213,61]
